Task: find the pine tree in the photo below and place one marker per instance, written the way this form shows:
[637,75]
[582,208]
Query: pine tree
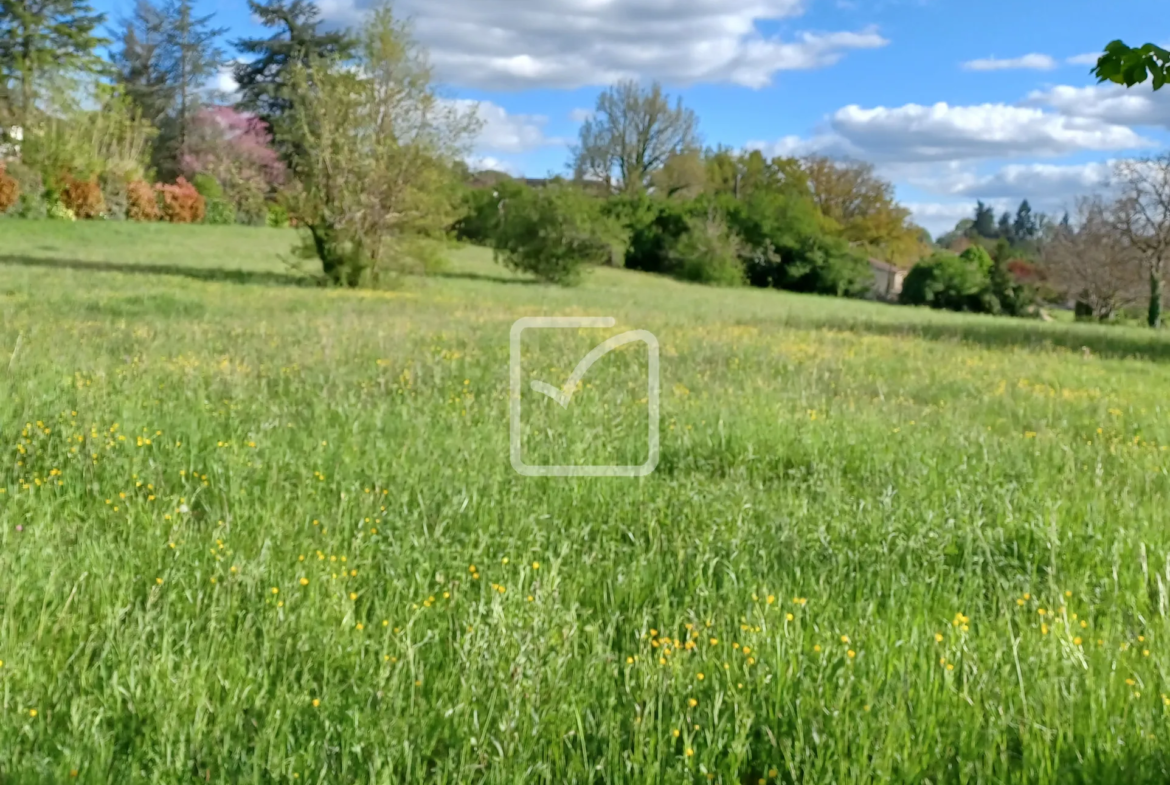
[37,36]
[263,78]
[141,73]
[193,56]
[1025,224]
[984,225]
[1004,230]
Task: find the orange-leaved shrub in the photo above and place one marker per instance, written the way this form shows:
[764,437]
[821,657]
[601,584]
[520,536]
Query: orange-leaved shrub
[84,198]
[181,203]
[9,190]
[141,202]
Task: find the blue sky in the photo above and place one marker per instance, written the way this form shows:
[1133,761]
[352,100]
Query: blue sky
[953,101]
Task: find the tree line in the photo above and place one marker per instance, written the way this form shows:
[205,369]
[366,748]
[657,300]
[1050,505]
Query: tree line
[344,133]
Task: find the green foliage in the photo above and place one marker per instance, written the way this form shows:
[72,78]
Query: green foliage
[265,74]
[42,37]
[207,186]
[277,216]
[59,212]
[654,226]
[1128,65]
[956,283]
[371,148]
[480,210]
[788,248]
[219,212]
[556,232]
[708,252]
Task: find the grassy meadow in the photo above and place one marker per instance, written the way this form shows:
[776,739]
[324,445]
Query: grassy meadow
[254,530]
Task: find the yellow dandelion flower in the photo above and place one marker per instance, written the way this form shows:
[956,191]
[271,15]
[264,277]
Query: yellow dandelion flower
[692,702]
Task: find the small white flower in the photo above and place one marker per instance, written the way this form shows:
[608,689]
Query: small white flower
[183,509]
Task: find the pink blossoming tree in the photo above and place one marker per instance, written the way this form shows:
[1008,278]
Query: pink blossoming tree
[236,149]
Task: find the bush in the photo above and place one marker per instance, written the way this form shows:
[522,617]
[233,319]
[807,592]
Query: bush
[31,200]
[207,186]
[956,283]
[181,203]
[219,212]
[708,252]
[480,208]
[114,193]
[141,202]
[277,217]
[655,226]
[83,198]
[9,191]
[554,232]
[788,247]
[59,212]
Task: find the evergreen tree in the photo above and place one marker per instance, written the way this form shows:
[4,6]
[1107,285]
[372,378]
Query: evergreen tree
[37,36]
[984,225]
[1004,230]
[192,58]
[264,78]
[166,57]
[141,73]
[1025,225]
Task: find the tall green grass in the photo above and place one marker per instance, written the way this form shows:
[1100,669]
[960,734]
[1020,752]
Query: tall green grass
[255,532]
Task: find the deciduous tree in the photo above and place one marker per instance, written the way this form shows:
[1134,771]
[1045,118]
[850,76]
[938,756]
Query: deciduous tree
[1093,262]
[1142,216]
[863,205]
[634,131]
[372,151]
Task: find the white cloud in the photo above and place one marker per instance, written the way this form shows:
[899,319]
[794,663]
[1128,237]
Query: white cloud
[491,163]
[1033,181]
[1041,181]
[1138,105]
[580,115]
[1036,62]
[500,44]
[507,133]
[797,146]
[1089,58]
[939,217]
[946,133]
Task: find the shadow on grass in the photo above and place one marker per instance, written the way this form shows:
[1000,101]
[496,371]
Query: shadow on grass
[488,278]
[1003,332]
[204,274]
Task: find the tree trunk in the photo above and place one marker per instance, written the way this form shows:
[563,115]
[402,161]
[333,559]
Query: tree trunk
[1155,314]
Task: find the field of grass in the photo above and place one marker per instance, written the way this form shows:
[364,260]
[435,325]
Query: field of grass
[252,531]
